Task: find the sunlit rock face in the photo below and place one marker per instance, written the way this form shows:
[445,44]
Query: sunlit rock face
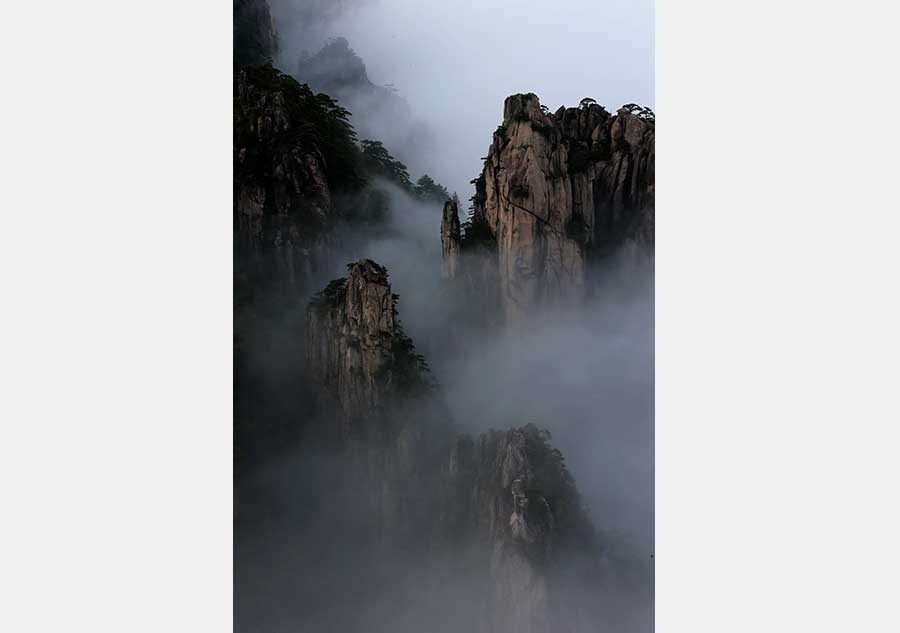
[561,188]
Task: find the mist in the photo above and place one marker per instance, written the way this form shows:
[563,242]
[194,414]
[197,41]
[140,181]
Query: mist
[455,62]
[584,374]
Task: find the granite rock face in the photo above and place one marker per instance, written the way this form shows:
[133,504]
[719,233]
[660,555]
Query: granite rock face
[280,177]
[559,189]
[505,495]
[450,240]
[470,273]
[282,199]
[525,510]
[372,382]
[350,339]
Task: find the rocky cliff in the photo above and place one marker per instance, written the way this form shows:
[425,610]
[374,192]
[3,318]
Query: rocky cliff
[371,385]
[524,509]
[450,241]
[282,197]
[294,155]
[255,38]
[356,349]
[558,190]
[504,495]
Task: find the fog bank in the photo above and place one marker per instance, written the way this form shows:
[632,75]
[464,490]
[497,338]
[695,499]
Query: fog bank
[456,62]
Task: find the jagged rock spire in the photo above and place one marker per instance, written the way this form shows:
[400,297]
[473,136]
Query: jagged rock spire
[350,329]
[560,188]
[450,240]
[505,497]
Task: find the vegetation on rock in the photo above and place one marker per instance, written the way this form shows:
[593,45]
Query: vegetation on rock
[312,120]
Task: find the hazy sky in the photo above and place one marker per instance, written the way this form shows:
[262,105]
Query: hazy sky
[456,61]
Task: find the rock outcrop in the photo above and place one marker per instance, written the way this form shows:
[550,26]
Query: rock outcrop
[372,382]
[275,174]
[450,240]
[560,189]
[356,349]
[470,274]
[524,508]
[282,195]
[255,38]
[505,495]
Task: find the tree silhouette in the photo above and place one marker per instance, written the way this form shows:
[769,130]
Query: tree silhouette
[427,189]
[379,162]
[640,112]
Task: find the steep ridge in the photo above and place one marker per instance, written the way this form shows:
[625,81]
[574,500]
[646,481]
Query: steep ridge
[282,194]
[254,35]
[381,112]
[506,497]
[558,190]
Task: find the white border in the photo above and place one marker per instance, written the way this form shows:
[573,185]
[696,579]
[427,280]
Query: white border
[776,317]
